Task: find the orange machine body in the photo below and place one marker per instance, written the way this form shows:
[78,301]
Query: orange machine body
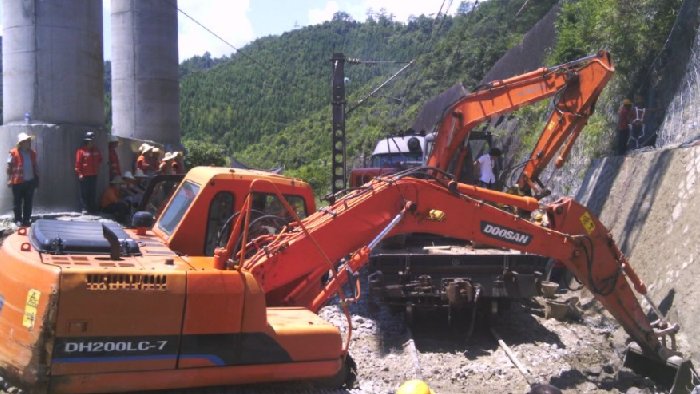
[405,204]
[155,319]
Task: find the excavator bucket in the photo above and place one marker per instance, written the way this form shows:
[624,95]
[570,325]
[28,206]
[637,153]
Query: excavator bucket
[674,374]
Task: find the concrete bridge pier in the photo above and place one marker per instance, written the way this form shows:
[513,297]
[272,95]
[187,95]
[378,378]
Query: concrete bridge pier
[52,90]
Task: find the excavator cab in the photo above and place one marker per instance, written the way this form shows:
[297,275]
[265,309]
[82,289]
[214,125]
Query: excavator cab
[93,307]
[209,199]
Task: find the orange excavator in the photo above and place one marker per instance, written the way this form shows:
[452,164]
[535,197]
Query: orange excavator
[90,307]
[411,272]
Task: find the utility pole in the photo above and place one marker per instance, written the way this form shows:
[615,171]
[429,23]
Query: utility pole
[338,103]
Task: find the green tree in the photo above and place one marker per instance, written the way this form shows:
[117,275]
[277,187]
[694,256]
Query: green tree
[202,153]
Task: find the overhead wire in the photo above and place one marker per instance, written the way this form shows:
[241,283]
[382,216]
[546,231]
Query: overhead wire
[210,31]
[434,33]
[264,67]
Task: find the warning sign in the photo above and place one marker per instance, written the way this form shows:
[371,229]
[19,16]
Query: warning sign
[30,308]
[587,222]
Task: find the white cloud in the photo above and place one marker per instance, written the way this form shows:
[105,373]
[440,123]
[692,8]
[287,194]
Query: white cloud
[228,19]
[320,15]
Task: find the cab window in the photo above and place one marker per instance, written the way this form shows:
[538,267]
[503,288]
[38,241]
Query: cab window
[178,206]
[269,204]
[220,211]
[298,205]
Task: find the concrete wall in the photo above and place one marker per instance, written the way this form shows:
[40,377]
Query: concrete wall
[52,61]
[650,202]
[52,69]
[145,89]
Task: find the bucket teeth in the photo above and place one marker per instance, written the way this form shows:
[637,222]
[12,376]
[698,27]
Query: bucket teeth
[672,373]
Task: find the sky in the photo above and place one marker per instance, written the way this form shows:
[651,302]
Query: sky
[242,21]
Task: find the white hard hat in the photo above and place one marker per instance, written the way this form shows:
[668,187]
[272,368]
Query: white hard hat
[23,137]
[145,148]
[128,175]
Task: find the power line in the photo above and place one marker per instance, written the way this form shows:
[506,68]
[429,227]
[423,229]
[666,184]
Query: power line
[358,61]
[372,93]
[218,36]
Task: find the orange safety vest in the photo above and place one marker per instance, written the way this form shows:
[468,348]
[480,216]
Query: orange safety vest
[17,166]
[109,196]
[142,163]
[166,168]
[87,161]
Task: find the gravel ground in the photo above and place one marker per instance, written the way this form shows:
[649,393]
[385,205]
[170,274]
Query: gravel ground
[577,356]
[584,355]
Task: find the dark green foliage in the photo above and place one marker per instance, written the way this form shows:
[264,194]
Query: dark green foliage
[269,104]
[200,63]
[201,153]
[634,32]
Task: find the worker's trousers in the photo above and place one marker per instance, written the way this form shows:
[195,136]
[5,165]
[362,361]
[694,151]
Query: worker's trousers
[23,194]
[88,193]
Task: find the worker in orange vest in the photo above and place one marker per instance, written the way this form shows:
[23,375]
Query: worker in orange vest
[179,163]
[144,161]
[113,158]
[113,202]
[167,164]
[23,177]
[153,158]
[87,164]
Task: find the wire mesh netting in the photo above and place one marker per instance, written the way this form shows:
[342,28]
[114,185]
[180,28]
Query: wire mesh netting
[681,121]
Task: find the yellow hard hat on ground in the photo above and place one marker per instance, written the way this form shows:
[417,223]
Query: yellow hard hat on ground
[414,387]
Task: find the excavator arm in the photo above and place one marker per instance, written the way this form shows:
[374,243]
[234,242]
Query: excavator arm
[576,86]
[339,239]
[310,261]
[574,105]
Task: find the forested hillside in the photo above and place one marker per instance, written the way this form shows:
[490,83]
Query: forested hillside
[648,40]
[269,104]
[636,34]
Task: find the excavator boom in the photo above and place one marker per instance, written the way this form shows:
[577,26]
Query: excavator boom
[577,86]
[291,267]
